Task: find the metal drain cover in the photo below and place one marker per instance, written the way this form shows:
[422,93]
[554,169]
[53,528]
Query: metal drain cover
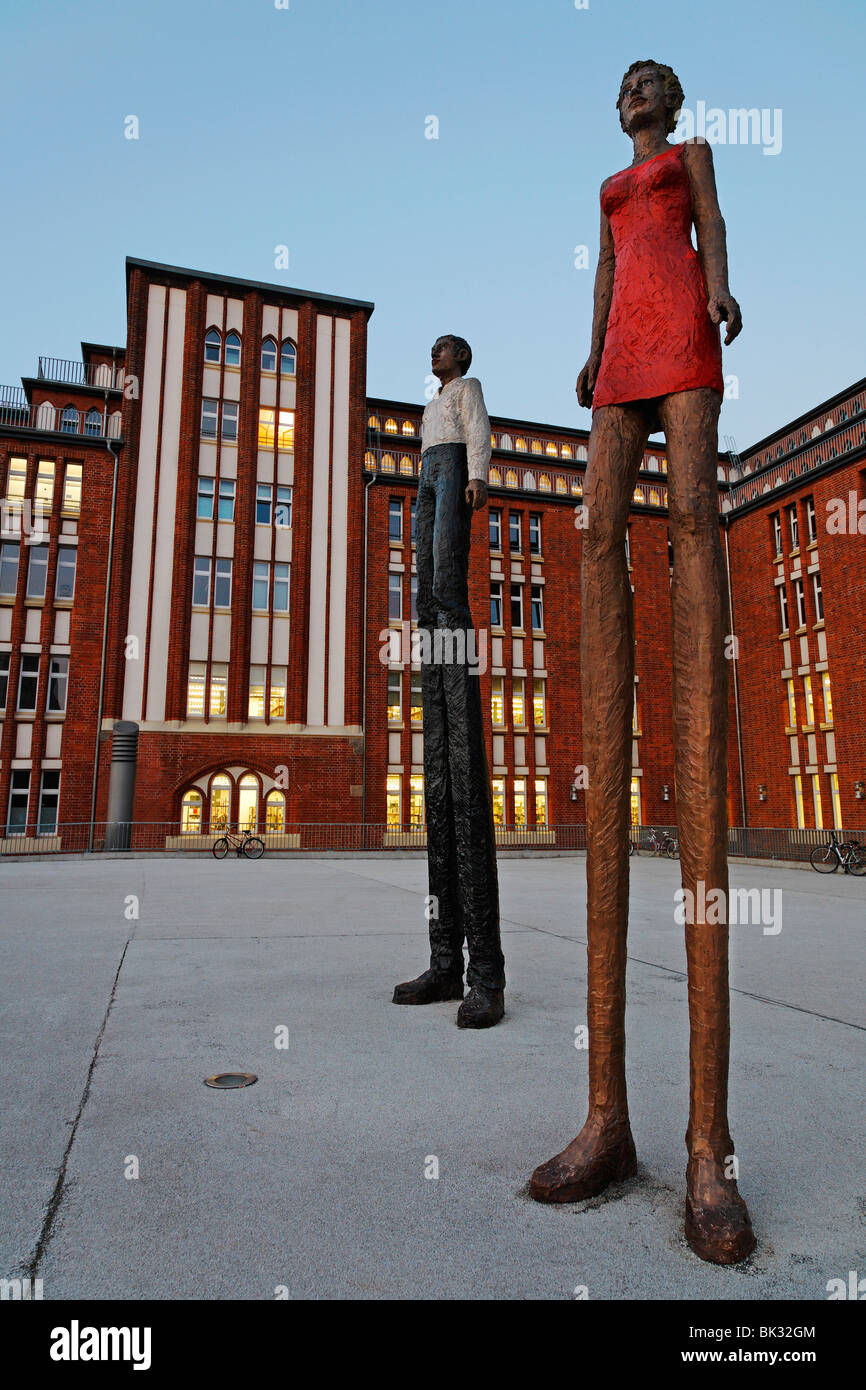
[230,1080]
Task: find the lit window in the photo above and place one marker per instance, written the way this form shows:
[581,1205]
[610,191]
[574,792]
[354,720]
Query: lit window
[16,479]
[417,713]
[566,451]
[518,700]
[387,464]
[494,477]
[540,801]
[264,497]
[798,801]
[816,801]
[212,346]
[373,422]
[390,426]
[256,708]
[406,466]
[510,477]
[551,449]
[792,704]
[408,427]
[233,350]
[220,802]
[49,797]
[222,585]
[266,427]
[416,801]
[72,488]
[520,801]
[69,420]
[520,444]
[219,682]
[64,579]
[230,422]
[634,801]
[248,803]
[281,588]
[58,681]
[201,581]
[190,814]
[498,800]
[392,802]
[560,484]
[810,703]
[286,431]
[536,446]
[288,359]
[269,355]
[277,699]
[828,699]
[204,509]
[497,701]
[226,508]
[37,571]
[544,482]
[261,585]
[283,510]
[395,695]
[539,701]
[275,813]
[28,681]
[195,690]
[836,799]
[209,419]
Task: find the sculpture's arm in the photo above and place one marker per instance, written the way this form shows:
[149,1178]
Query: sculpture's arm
[710,232]
[602,295]
[476,433]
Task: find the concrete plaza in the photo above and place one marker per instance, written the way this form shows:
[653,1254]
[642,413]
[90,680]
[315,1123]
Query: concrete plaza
[315,1179]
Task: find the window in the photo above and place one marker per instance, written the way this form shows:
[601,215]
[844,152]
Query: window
[495,529]
[811,521]
[219,682]
[16,479]
[261,585]
[283,510]
[416,801]
[69,420]
[540,801]
[5,662]
[288,359]
[248,802]
[634,801]
[783,605]
[539,701]
[222,584]
[280,602]
[220,802]
[498,800]
[49,797]
[800,596]
[836,799]
[413,598]
[518,700]
[58,681]
[45,483]
[810,703]
[517,606]
[19,797]
[635,717]
[257,693]
[226,506]
[64,579]
[514,531]
[392,802]
[201,581]
[233,350]
[395,597]
[816,801]
[269,355]
[209,419]
[195,690]
[190,814]
[9,552]
[819,596]
[391,426]
[212,346]
[416,710]
[828,699]
[264,501]
[284,424]
[204,508]
[795,528]
[496,604]
[72,488]
[275,813]
[537,606]
[412,520]
[535,533]
[497,701]
[395,519]
[520,801]
[372,422]
[792,704]
[37,571]
[93,422]
[28,681]
[409,427]
[277,701]
[395,695]
[230,422]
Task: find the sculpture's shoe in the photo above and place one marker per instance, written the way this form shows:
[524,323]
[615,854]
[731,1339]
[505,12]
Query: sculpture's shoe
[429,988]
[718,1227]
[592,1161]
[481,1008]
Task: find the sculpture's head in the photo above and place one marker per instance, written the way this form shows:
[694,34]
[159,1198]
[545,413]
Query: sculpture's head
[450,355]
[649,94]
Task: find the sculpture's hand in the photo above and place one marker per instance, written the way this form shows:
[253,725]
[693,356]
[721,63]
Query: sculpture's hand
[586,380]
[724,306]
[476,493]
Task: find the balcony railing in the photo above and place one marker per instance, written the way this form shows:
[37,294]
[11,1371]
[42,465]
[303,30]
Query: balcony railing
[12,395]
[103,375]
[821,452]
[92,423]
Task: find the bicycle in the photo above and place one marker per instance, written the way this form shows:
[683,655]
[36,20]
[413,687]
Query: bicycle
[247,844]
[825,859]
[657,844]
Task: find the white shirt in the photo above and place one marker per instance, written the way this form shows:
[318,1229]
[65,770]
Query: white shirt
[457,415]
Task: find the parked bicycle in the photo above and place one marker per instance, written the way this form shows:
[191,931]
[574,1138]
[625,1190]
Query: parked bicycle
[657,844]
[825,859]
[247,844]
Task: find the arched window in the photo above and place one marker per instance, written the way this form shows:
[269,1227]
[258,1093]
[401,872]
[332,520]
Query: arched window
[288,358]
[536,446]
[269,355]
[505,441]
[373,422]
[115,423]
[494,477]
[370,459]
[655,497]
[566,451]
[581,452]
[408,427]
[387,465]
[544,482]
[577,487]
[69,420]
[560,484]
[93,422]
[212,346]
[233,350]
[551,450]
[390,426]
[248,802]
[637,495]
[275,813]
[190,816]
[520,444]
[511,477]
[220,802]
[406,465]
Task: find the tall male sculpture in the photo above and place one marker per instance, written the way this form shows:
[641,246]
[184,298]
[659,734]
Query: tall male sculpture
[655,362]
[461,845]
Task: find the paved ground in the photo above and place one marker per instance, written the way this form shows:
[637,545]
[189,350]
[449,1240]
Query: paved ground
[314,1178]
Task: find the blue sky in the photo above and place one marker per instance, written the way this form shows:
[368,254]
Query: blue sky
[305,127]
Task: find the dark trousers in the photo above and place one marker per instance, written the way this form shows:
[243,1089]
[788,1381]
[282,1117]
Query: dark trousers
[461,843]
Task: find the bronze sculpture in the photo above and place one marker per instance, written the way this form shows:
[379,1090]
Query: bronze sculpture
[461,844]
[655,362]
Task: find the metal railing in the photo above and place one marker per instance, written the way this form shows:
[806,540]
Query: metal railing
[142,837]
[103,374]
[91,423]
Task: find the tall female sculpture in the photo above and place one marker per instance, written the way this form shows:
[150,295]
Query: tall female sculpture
[655,362]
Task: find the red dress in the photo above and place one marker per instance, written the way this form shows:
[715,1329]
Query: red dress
[660,337]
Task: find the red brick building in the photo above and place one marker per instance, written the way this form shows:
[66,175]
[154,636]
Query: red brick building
[226,562]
